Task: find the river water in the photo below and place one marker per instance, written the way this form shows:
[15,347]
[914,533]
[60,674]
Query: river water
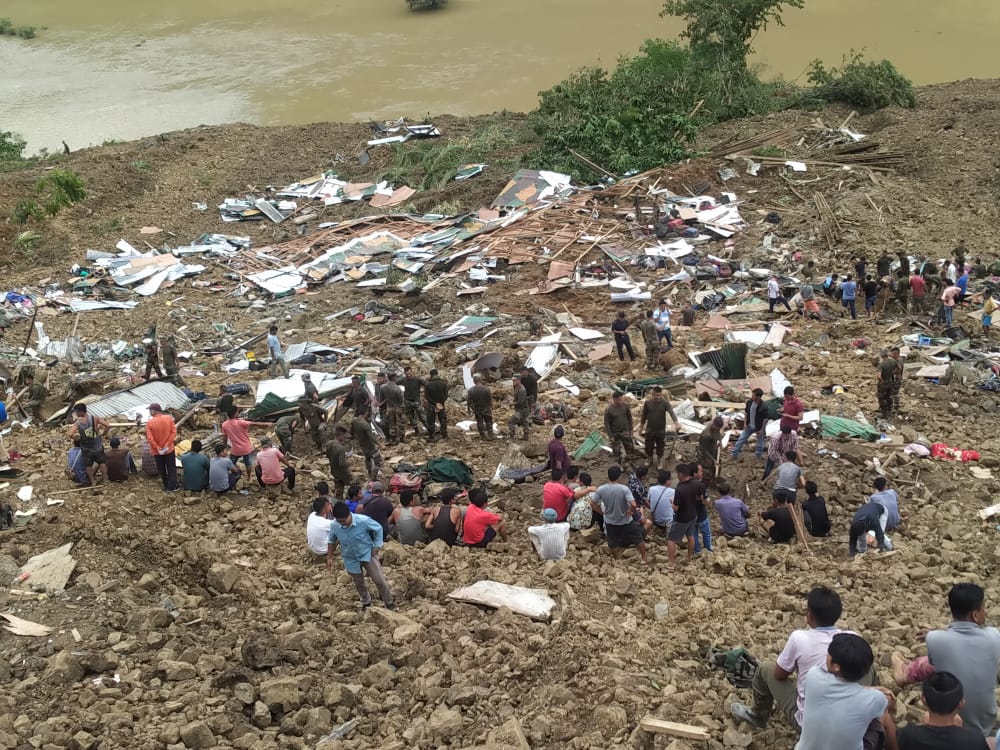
[122,69]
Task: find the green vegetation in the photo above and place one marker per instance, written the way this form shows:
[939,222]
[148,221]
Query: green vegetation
[139,165]
[869,85]
[7,28]
[11,146]
[26,241]
[430,164]
[647,110]
[57,190]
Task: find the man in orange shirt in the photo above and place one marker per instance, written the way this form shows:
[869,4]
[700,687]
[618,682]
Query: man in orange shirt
[161,432]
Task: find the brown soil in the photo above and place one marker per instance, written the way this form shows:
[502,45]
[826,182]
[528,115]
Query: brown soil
[463,677]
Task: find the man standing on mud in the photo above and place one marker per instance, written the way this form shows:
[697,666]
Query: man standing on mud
[277,354]
[649,337]
[530,382]
[88,430]
[522,409]
[479,401]
[436,394]
[336,454]
[653,418]
[311,393]
[367,443]
[161,432]
[313,417]
[392,397]
[411,398]
[710,449]
[619,427]
[170,366]
[889,371]
[152,358]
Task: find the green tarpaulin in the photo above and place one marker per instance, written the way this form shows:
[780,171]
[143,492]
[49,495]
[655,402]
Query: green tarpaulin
[591,443]
[271,404]
[837,426]
[448,470]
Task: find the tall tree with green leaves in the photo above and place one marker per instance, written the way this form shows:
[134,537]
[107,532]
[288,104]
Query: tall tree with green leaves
[721,33]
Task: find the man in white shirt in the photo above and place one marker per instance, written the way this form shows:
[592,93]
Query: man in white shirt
[662,318]
[318,525]
[805,649]
[774,295]
[550,540]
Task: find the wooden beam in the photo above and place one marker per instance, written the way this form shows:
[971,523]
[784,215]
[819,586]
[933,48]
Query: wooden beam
[672,728]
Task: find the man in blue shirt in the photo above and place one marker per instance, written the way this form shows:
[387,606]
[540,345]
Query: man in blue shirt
[849,292]
[74,464]
[962,282]
[888,499]
[277,354]
[360,539]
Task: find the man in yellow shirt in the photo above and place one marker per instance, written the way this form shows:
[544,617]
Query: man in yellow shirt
[989,305]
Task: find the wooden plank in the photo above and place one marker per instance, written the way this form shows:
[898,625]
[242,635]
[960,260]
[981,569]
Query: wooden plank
[674,729]
[800,527]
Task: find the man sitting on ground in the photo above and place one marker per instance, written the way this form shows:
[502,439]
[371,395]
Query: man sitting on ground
[408,519]
[378,506]
[733,512]
[941,727]
[968,649]
[119,464]
[778,523]
[268,469]
[559,497]
[481,526]
[223,474]
[318,526]
[838,712]
[196,468]
[806,648]
[816,518]
[551,538]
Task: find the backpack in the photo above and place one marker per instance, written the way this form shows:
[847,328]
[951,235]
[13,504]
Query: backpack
[738,664]
[406,481]
[581,515]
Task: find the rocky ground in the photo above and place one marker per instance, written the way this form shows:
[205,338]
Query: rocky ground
[204,623]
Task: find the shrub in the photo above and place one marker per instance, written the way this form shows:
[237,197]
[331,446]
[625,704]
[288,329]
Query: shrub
[11,146]
[60,189]
[870,85]
[27,210]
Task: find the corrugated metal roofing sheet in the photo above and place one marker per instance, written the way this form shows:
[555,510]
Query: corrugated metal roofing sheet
[135,400]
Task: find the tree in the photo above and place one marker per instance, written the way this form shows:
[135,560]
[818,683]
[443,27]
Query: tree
[721,33]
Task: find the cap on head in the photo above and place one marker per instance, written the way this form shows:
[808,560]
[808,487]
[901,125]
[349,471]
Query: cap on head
[516,377]
[306,376]
[550,515]
[154,408]
[147,341]
[477,376]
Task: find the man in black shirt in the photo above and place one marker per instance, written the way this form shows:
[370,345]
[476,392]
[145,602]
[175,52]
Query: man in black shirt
[620,329]
[378,508]
[530,382]
[778,522]
[688,495]
[943,695]
[816,518]
[225,404]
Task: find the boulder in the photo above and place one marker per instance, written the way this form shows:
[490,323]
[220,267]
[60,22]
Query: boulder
[281,694]
[197,735]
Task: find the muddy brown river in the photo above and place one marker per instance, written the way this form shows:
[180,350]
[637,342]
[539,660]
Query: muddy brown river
[121,69]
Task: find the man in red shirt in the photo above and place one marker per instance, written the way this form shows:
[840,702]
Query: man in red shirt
[481,526]
[268,469]
[791,410]
[559,497]
[918,290]
[237,432]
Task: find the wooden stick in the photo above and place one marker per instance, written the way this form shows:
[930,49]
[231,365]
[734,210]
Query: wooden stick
[800,527]
[672,728]
[75,489]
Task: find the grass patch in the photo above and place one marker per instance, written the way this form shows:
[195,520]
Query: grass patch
[139,165]
[432,164]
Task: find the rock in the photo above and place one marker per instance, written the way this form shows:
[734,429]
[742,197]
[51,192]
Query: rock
[222,577]
[244,693]
[261,716]
[197,735]
[281,695]
[175,671]
[444,722]
[734,738]
[611,719]
[64,667]
[261,651]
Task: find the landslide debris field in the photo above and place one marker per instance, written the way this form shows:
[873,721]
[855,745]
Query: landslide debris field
[196,622]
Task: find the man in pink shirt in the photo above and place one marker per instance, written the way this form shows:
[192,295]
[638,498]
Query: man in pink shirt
[269,470]
[948,299]
[237,432]
[918,288]
[805,649]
